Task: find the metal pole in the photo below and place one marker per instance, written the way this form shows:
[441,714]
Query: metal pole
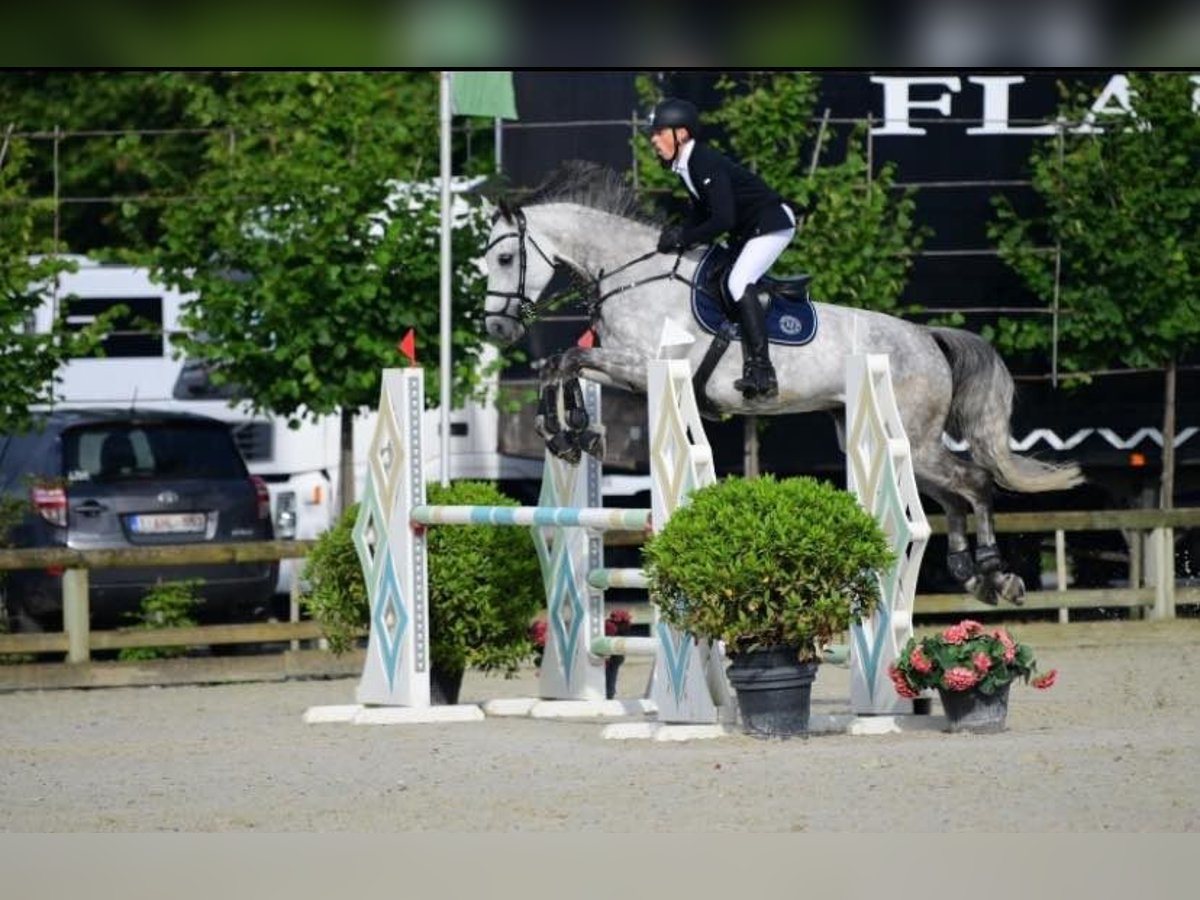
[444,333]
[499,145]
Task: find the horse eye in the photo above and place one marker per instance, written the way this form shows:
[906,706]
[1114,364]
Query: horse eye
[505,259]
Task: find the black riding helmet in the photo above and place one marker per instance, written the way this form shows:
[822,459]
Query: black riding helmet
[674,113]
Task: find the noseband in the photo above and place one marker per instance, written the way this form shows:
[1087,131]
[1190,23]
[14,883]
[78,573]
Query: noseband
[527,307]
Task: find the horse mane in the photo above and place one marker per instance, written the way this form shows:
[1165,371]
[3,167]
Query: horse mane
[587,184]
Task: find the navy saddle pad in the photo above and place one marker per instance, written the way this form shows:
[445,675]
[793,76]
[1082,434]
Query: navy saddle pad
[791,317]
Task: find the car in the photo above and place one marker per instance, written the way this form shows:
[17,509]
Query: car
[100,478]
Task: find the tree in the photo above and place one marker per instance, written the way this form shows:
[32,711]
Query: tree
[28,359]
[1122,204]
[310,256]
[100,136]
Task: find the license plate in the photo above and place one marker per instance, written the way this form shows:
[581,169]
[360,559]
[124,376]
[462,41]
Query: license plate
[168,523]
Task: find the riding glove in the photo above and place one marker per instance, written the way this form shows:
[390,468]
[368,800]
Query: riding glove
[671,239]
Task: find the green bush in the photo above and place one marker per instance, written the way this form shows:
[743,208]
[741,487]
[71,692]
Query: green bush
[767,563]
[335,596]
[169,604]
[485,586]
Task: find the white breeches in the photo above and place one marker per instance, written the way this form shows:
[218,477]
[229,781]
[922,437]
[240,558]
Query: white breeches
[757,256]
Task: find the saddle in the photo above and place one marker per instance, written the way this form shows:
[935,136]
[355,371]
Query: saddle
[791,316]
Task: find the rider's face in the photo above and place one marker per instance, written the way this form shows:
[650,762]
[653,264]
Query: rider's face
[666,141]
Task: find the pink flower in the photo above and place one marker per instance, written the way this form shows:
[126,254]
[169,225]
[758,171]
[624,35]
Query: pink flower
[537,632]
[972,626]
[618,622]
[1010,647]
[960,679]
[919,661]
[982,661]
[1042,682]
[955,634]
[900,683]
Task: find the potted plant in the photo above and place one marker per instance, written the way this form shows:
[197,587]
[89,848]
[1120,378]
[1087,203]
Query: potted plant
[776,569]
[972,669]
[485,587]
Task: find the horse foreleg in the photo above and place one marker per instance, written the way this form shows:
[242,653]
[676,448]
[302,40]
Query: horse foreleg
[548,421]
[589,439]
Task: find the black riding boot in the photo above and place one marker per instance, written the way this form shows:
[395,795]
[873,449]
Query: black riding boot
[758,375]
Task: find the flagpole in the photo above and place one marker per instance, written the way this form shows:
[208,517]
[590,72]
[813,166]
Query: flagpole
[444,348]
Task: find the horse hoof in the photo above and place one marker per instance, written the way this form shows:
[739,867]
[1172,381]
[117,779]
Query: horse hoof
[1012,589]
[592,443]
[564,446]
[983,589]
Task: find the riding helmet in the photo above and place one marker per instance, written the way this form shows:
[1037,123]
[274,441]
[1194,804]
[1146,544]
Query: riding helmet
[674,113]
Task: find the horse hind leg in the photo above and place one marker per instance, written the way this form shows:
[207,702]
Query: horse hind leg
[958,485]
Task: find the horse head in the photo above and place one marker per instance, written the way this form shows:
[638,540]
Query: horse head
[519,265]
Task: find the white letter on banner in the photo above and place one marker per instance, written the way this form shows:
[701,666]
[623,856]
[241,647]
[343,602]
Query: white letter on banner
[995,107]
[897,102]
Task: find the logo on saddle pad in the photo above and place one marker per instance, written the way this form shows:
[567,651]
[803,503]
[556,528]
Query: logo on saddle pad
[791,317]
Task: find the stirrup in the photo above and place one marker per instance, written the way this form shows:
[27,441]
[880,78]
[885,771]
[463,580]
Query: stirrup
[758,381]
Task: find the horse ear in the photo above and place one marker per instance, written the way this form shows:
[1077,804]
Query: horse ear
[505,210]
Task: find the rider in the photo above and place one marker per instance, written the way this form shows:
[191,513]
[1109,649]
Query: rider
[726,198]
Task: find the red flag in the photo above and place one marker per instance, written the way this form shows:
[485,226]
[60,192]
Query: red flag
[587,339]
[408,346]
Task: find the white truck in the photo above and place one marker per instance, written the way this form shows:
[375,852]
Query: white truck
[300,466]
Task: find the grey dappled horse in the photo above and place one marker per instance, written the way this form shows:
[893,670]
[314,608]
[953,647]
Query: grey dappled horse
[944,379]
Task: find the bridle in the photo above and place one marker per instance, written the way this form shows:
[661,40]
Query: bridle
[528,308]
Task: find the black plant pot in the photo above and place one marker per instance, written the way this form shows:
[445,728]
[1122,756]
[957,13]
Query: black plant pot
[774,691]
[974,711]
[444,685]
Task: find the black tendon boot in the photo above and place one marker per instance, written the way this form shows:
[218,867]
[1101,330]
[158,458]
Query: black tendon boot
[758,375]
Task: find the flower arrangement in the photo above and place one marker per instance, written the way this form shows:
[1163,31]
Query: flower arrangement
[619,622]
[963,657]
[537,635]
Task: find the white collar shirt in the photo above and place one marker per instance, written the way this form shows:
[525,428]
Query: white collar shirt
[680,166]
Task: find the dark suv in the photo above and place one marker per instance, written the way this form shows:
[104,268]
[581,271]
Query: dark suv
[104,478]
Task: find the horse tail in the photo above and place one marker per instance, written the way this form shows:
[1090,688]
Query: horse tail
[980,411]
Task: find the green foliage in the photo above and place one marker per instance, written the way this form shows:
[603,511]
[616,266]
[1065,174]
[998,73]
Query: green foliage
[1123,201]
[859,236]
[169,604]
[108,161]
[485,586]
[12,509]
[766,562]
[336,594]
[306,285]
[28,360]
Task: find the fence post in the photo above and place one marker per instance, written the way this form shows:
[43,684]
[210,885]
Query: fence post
[75,615]
[1060,571]
[1162,543]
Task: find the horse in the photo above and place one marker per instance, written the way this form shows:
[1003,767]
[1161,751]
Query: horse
[946,380]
